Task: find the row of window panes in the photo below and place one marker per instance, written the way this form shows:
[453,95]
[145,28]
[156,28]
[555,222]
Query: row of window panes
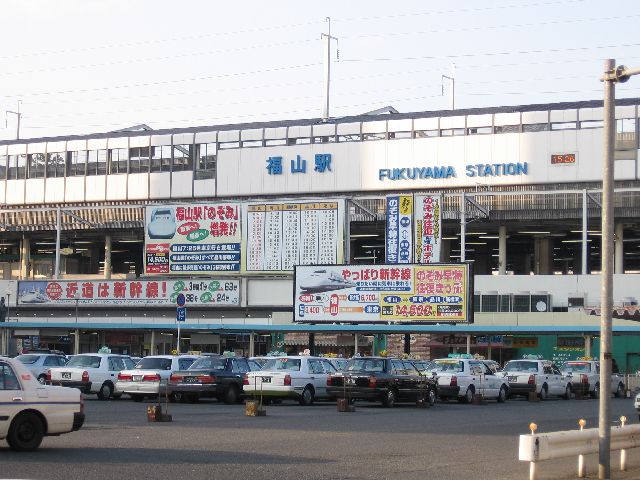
[115,161]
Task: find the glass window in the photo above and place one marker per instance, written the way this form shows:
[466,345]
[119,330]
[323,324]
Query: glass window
[521,366]
[328,139]
[55,164]
[375,136]
[182,158]
[28,359]
[161,158]
[184,363]
[365,365]
[427,133]
[4,165]
[8,379]
[328,367]
[535,127]
[154,363]
[209,363]
[349,138]
[90,361]
[315,367]
[97,162]
[410,368]
[115,364]
[479,130]
[449,366]
[507,129]
[77,163]
[206,166]
[591,124]
[51,361]
[290,364]
[564,126]
[118,160]
[239,365]
[17,167]
[139,160]
[451,132]
[36,165]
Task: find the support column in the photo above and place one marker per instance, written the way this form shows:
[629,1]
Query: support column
[587,345]
[25,258]
[355,344]
[463,227]
[152,347]
[3,344]
[502,250]
[76,342]
[445,251]
[468,343]
[107,257]
[312,343]
[407,343]
[584,243]
[252,345]
[619,248]
[543,256]
[489,348]
[56,267]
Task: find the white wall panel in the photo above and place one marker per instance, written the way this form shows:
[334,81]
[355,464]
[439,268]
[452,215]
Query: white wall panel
[96,144]
[556,116]
[452,122]
[15,192]
[479,120]
[300,132]
[348,128]
[142,141]
[204,188]
[400,125]
[275,133]
[56,146]
[34,190]
[116,187]
[590,114]
[54,190]
[122,142]
[159,185]
[432,123]
[74,189]
[269,292]
[17,149]
[253,134]
[96,186]
[182,185]
[628,111]
[157,140]
[37,148]
[535,117]
[3,191]
[138,186]
[206,137]
[374,127]
[229,136]
[76,145]
[512,118]
[183,139]
[324,130]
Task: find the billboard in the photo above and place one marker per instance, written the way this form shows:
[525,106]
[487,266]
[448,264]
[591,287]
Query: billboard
[399,233]
[192,239]
[280,235]
[222,292]
[428,228]
[435,293]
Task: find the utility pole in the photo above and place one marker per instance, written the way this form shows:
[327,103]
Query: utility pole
[327,67]
[19,115]
[451,79]
[612,75]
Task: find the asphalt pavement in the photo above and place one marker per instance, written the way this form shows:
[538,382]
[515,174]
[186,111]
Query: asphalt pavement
[210,440]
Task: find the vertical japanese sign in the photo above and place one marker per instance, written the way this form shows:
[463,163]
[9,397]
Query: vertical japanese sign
[192,239]
[399,233]
[279,236]
[428,228]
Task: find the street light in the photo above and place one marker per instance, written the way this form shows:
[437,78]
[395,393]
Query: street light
[612,75]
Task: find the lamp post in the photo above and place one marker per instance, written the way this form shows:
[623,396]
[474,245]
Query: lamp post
[612,75]
[7,332]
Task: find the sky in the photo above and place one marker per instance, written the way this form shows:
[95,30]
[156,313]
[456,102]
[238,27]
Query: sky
[85,66]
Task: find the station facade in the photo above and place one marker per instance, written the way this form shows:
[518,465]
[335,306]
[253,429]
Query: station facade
[99,232]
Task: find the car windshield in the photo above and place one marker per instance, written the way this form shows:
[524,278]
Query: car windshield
[365,365]
[149,363]
[209,363]
[84,361]
[425,366]
[290,364]
[449,366]
[28,359]
[521,366]
[577,367]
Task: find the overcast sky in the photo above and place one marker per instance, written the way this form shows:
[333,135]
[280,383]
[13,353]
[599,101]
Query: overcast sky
[81,66]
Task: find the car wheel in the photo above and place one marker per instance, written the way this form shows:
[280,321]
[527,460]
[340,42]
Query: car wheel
[468,397]
[502,394]
[432,395]
[307,396]
[137,398]
[596,391]
[544,392]
[105,391]
[26,432]
[619,391]
[567,392]
[42,379]
[232,395]
[390,398]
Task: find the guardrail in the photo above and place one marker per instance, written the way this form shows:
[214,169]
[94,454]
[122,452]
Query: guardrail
[535,447]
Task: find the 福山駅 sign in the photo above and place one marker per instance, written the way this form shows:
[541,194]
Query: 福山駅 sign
[399,232]
[223,292]
[428,228]
[280,235]
[192,239]
[436,293]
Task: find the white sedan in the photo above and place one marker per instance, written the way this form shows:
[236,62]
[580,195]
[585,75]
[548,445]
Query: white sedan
[303,378]
[30,411]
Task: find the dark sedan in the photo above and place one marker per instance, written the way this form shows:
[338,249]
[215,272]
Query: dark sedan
[212,376]
[388,380]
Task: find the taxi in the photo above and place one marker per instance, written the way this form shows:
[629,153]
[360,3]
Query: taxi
[535,374]
[463,376]
[30,411]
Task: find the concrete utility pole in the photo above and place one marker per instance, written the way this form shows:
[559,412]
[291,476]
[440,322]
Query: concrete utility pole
[327,67]
[611,76]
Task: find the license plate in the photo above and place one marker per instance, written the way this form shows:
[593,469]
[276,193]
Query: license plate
[66,375]
[190,379]
[350,381]
[266,379]
[512,379]
[137,378]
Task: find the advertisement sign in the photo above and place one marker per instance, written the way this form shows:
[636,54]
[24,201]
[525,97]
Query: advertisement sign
[437,293]
[192,239]
[129,292]
[428,228]
[280,235]
[399,233]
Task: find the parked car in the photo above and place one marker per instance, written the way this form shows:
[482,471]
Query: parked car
[301,377]
[30,411]
[384,379]
[39,363]
[219,377]
[338,363]
[636,403]
[150,374]
[536,375]
[425,367]
[91,373]
[462,378]
[585,377]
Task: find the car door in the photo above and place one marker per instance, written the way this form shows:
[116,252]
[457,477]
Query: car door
[11,396]
[115,365]
[560,379]
[318,377]
[491,382]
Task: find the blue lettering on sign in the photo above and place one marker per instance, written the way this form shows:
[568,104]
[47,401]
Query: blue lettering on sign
[372,309]
[444,172]
[322,162]
[417,299]
[392,299]
[354,297]
[298,165]
[301,310]
[274,165]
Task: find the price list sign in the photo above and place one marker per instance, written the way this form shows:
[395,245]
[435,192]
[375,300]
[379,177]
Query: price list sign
[282,235]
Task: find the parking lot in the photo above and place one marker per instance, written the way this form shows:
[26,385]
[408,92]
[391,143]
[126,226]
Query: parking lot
[213,440]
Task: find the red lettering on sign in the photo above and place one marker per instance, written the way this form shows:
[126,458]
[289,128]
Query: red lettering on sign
[54,291]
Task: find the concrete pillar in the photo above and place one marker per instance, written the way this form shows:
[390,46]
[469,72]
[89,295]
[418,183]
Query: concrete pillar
[407,343]
[468,343]
[25,258]
[355,344]
[543,249]
[252,345]
[502,250]
[107,257]
[312,343]
[587,345]
[445,251]
[152,346]
[619,249]
[489,350]
[3,343]
[76,342]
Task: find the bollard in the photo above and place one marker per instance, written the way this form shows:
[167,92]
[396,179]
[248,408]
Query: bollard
[623,452]
[582,468]
[532,465]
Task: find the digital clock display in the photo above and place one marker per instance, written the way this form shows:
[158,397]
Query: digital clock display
[563,158]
